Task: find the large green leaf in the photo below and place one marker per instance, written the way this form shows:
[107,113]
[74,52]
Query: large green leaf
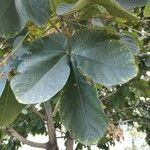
[15,13]
[80,110]
[107,62]
[9,107]
[43,72]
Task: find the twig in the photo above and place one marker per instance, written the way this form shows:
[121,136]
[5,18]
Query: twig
[120,111]
[108,95]
[56,109]
[137,31]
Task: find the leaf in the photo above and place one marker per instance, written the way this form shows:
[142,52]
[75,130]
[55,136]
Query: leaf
[64,8]
[111,5]
[117,10]
[129,4]
[9,107]
[43,72]
[80,111]
[106,61]
[9,18]
[147,10]
[15,13]
[37,11]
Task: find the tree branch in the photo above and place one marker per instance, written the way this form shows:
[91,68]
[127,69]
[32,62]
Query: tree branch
[20,138]
[51,129]
[121,110]
[108,95]
[43,117]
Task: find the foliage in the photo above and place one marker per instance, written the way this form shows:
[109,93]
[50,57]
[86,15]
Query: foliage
[88,59]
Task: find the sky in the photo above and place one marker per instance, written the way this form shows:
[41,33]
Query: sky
[131,135]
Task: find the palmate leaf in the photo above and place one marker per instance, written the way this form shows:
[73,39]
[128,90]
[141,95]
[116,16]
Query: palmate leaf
[43,72]
[80,110]
[15,13]
[107,62]
[9,107]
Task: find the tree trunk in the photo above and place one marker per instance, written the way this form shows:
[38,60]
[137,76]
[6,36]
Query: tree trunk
[52,144]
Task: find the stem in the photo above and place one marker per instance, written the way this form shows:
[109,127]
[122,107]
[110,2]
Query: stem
[108,95]
[51,129]
[56,109]
[15,134]
[55,27]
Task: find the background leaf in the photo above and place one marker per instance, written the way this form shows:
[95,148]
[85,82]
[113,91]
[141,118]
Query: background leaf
[15,13]
[9,107]
[9,18]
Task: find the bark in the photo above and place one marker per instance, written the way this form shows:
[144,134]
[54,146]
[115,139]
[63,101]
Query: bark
[52,144]
[69,142]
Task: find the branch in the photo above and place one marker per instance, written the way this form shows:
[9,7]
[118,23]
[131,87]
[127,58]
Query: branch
[51,128]
[43,117]
[108,95]
[15,134]
[121,110]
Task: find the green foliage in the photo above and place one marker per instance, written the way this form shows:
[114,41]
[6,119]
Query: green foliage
[70,53]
